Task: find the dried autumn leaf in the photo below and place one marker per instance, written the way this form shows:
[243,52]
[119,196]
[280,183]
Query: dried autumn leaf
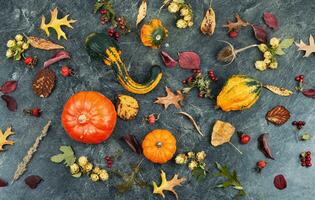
[221,133]
[56,24]
[8,87]
[260,33]
[133,143]
[33,181]
[309,93]
[278,115]
[208,23]
[4,136]
[264,146]
[10,101]
[167,185]
[189,60]
[60,55]
[271,20]
[142,12]
[44,82]
[168,60]
[170,99]
[236,26]
[309,49]
[41,43]
[279,182]
[3,183]
[127,107]
[279,90]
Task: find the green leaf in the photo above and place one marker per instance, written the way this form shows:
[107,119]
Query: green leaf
[67,156]
[286,43]
[305,137]
[77,175]
[238,187]
[57,158]
[279,51]
[199,173]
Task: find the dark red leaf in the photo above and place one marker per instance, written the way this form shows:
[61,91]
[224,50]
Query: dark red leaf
[189,60]
[280,182]
[309,93]
[264,147]
[271,20]
[8,87]
[3,183]
[11,103]
[168,60]
[33,181]
[60,55]
[260,33]
[133,143]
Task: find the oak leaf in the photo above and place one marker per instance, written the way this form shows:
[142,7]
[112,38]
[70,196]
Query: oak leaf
[41,43]
[236,26]
[167,185]
[309,49]
[170,98]
[278,115]
[56,24]
[4,136]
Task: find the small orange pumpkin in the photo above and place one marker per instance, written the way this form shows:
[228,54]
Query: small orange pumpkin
[89,117]
[153,33]
[159,146]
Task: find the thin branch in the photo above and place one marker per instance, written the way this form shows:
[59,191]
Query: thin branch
[193,121]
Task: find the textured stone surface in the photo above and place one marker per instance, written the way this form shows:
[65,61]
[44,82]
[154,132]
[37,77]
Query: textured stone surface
[296,19]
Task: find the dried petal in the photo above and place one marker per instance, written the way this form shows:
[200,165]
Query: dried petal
[260,33]
[264,147]
[3,183]
[280,182]
[271,20]
[278,115]
[11,103]
[133,143]
[279,90]
[142,12]
[57,57]
[189,60]
[309,93]
[8,87]
[33,181]
[168,60]
[41,43]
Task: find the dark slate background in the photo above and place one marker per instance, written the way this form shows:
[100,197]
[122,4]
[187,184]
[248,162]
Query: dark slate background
[296,20]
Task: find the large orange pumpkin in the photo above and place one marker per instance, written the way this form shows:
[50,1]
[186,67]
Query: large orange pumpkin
[159,146]
[89,117]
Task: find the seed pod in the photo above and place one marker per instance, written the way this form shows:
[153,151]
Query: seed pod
[208,23]
[44,82]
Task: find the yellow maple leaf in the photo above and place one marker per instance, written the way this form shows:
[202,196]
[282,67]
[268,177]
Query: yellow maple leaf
[4,136]
[56,24]
[167,185]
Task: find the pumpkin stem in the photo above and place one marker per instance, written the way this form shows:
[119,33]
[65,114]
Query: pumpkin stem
[159,144]
[82,119]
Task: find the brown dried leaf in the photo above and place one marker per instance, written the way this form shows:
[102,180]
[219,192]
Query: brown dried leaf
[236,26]
[208,23]
[41,43]
[10,101]
[33,181]
[167,185]
[142,12]
[279,90]
[44,82]
[4,136]
[309,49]
[278,115]
[3,183]
[221,133]
[170,99]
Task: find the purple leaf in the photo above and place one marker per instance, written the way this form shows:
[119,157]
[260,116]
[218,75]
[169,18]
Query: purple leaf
[133,143]
[3,183]
[280,182]
[33,181]
[168,60]
[271,20]
[60,55]
[11,103]
[264,146]
[8,87]
[189,60]
[309,93]
[260,33]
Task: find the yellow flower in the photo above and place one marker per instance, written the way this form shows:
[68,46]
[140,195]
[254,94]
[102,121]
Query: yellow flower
[103,175]
[19,37]
[88,167]
[184,11]
[20,43]
[181,159]
[187,18]
[181,23]
[273,65]
[83,161]
[25,46]
[94,177]
[267,61]
[191,154]
[74,168]
[267,55]
[274,42]
[11,43]
[201,156]
[9,53]
[173,7]
[263,48]
[192,165]
[261,65]
[96,170]
[190,24]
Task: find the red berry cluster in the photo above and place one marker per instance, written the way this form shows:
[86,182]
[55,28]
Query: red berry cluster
[299,124]
[261,165]
[109,161]
[112,33]
[233,34]
[30,61]
[66,71]
[300,80]
[35,112]
[212,76]
[305,158]
[191,78]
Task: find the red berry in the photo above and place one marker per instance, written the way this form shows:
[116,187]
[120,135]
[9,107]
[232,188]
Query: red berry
[308,153]
[65,71]
[28,60]
[233,34]
[294,123]
[184,81]
[303,164]
[189,79]
[36,112]
[301,77]
[244,139]
[261,164]
[119,19]
[200,95]
[103,11]
[117,35]
[297,78]
[151,119]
